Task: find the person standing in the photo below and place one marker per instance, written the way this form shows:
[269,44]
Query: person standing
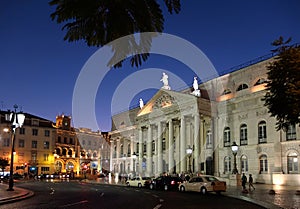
[251,182]
[244,181]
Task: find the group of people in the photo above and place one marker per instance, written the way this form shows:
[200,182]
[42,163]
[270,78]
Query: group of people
[250,182]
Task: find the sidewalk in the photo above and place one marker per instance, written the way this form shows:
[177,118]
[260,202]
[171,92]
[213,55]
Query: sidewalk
[286,197]
[12,196]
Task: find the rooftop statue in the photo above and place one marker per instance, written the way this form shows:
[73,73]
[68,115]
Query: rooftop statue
[196,91]
[165,81]
[141,103]
[195,84]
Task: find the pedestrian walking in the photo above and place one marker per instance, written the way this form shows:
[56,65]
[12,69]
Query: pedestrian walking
[244,181]
[251,182]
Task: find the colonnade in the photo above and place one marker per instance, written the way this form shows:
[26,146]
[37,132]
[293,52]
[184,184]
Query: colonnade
[160,146]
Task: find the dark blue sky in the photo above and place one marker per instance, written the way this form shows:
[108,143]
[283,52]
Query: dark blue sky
[39,69]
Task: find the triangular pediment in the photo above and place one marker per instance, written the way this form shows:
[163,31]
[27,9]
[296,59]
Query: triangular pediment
[166,99]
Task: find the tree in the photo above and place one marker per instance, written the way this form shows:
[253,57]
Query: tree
[283,86]
[3,164]
[99,22]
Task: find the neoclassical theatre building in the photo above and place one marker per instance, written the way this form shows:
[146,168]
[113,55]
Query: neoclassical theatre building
[193,131]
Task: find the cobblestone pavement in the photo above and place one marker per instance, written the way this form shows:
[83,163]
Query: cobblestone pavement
[270,196]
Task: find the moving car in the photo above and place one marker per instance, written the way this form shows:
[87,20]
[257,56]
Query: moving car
[203,184]
[138,181]
[165,183]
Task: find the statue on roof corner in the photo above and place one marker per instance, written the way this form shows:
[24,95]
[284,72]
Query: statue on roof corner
[196,91]
[141,103]
[165,81]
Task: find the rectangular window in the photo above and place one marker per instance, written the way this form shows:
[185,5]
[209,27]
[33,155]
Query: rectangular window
[47,133]
[145,148]
[65,140]
[34,156]
[45,169]
[59,139]
[21,131]
[21,143]
[71,141]
[6,142]
[35,132]
[46,157]
[163,144]
[34,144]
[291,133]
[243,135]
[35,122]
[46,145]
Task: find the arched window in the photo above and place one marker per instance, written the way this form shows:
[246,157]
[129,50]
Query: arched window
[227,165]
[243,135]
[164,144]
[242,87]
[244,164]
[226,91]
[69,166]
[115,151]
[95,155]
[128,150]
[292,163]
[226,137]
[70,153]
[291,132]
[263,164]
[262,132]
[209,144]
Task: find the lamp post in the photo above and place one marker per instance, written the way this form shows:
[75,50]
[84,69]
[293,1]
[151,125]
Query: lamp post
[234,149]
[17,120]
[189,152]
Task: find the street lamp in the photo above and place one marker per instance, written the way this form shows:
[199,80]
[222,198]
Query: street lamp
[189,152]
[17,120]
[234,149]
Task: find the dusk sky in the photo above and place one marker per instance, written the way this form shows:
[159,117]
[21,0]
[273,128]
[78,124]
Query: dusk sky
[39,69]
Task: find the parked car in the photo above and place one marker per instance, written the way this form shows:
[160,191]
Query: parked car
[138,181]
[165,183]
[203,184]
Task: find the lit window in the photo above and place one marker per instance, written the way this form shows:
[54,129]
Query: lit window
[244,164]
[292,163]
[263,164]
[227,165]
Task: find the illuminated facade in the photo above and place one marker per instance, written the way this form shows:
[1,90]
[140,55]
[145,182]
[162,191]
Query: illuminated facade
[34,145]
[155,138]
[79,151]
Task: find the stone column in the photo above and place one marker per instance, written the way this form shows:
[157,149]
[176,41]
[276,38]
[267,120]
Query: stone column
[159,148]
[196,142]
[149,151]
[111,155]
[182,145]
[140,158]
[171,147]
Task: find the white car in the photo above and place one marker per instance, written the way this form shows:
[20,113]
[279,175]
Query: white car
[203,184]
[137,181]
